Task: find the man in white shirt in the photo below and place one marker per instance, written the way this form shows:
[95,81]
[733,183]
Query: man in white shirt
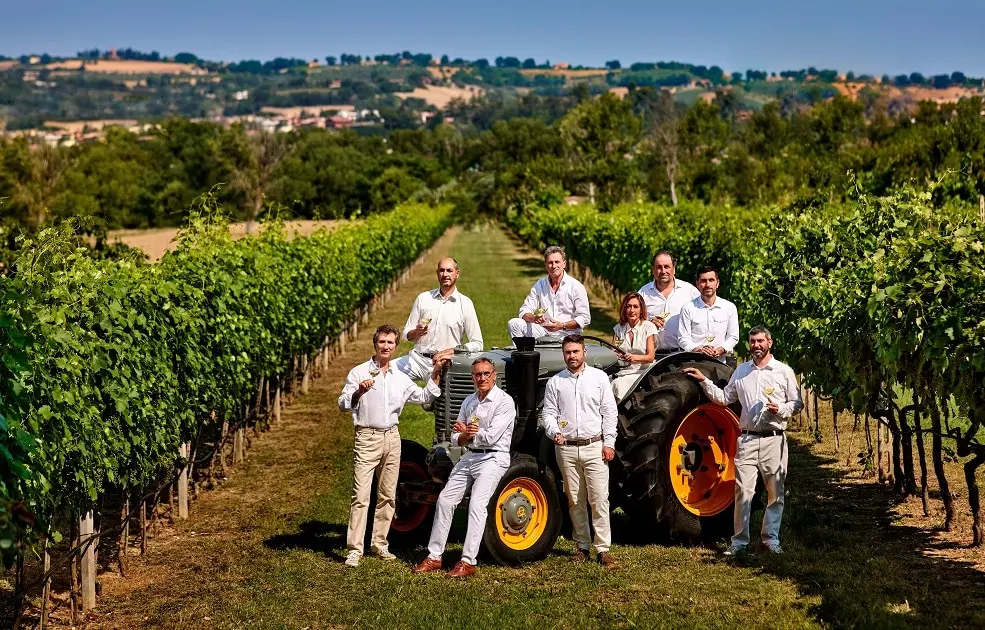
[485,427]
[768,392]
[557,304]
[438,321]
[665,297]
[579,415]
[709,324]
[376,393]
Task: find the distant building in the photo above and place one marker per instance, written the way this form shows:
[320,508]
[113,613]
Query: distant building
[241,95]
[563,65]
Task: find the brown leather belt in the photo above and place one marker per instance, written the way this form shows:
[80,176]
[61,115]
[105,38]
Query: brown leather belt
[583,442]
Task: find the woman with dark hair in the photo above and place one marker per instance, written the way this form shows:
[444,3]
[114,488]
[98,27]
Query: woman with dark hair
[635,337]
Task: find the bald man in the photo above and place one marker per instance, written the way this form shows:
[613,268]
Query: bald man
[439,320]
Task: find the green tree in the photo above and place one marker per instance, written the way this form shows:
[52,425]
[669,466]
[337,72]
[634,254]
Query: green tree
[601,136]
[254,173]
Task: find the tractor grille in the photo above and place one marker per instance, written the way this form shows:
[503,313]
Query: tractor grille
[454,391]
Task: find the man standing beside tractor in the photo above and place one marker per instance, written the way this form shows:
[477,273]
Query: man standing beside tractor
[709,324]
[557,304]
[768,392]
[485,428]
[665,297]
[579,415]
[376,394]
[438,322]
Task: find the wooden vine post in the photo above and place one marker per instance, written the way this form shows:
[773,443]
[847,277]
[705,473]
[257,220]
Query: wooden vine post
[87,538]
[184,453]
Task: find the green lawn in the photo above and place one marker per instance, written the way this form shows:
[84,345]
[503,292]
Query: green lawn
[265,550]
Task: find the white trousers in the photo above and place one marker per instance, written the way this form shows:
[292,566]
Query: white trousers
[415,366]
[376,451]
[766,456]
[622,384]
[520,328]
[481,472]
[586,483]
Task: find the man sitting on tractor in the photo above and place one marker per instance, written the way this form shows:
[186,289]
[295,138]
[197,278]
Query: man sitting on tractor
[557,304]
[485,428]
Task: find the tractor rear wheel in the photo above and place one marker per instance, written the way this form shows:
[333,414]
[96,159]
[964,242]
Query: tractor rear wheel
[677,452]
[411,520]
[524,518]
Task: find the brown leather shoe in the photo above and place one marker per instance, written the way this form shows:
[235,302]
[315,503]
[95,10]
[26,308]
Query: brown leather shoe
[606,560]
[579,556]
[462,569]
[427,565]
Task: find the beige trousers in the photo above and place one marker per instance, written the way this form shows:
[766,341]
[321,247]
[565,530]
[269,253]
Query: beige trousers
[376,451]
[586,482]
[766,456]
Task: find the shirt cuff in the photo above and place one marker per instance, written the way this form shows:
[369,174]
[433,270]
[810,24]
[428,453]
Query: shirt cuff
[432,388]
[454,438]
[609,442]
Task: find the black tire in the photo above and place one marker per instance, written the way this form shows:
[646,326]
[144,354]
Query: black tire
[523,470]
[411,522]
[648,421]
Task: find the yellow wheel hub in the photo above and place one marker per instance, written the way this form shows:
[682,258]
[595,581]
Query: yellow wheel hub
[522,509]
[701,461]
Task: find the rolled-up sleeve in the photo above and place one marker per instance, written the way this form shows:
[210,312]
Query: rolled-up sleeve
[472,330]
[531,302]
[413,318]
[791,391]
[350,387]
[422,395]
[582,309]
[719,396]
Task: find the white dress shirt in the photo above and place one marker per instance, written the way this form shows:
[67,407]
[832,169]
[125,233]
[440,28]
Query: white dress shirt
[753,387]
[702,325]
[380,407]
[682,293]
[496,415]
[580,406]
[451,318]
[569,303]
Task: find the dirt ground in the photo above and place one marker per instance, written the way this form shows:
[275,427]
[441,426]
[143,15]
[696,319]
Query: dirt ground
[156,242]
[124,66]
[440,96]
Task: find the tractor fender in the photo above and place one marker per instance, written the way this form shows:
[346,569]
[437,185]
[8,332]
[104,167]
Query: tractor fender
[664,364]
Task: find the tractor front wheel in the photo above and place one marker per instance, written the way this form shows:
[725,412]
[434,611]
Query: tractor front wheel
[525,517]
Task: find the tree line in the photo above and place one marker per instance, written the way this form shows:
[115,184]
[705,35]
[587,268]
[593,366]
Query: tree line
[500,153]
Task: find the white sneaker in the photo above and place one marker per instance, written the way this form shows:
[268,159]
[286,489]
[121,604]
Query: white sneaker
[773,548]
[352,560]
[384,554]
[735,550]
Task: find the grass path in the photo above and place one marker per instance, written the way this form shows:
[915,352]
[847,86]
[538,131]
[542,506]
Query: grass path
[265,550]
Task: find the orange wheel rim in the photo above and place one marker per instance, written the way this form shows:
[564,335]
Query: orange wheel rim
[522,513]
[702,460]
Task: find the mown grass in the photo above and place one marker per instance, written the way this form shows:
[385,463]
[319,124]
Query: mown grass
[265,551]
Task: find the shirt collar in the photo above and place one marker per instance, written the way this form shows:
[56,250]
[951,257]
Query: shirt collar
[436,294]
[491,396]
[700,303]
[564,279]
[770,365]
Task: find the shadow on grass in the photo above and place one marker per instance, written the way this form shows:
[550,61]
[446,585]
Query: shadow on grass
[318,536]
[840,544]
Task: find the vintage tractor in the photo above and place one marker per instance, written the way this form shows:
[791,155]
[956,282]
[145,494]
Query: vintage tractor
[673,472]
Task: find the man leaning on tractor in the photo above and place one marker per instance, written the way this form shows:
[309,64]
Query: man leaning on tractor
[768,392]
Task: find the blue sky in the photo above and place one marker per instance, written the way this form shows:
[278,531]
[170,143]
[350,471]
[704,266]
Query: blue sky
[870,36]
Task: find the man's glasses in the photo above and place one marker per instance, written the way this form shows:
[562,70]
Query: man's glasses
[482,374]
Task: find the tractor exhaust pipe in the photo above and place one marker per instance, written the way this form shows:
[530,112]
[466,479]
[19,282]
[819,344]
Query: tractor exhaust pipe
[522,374]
